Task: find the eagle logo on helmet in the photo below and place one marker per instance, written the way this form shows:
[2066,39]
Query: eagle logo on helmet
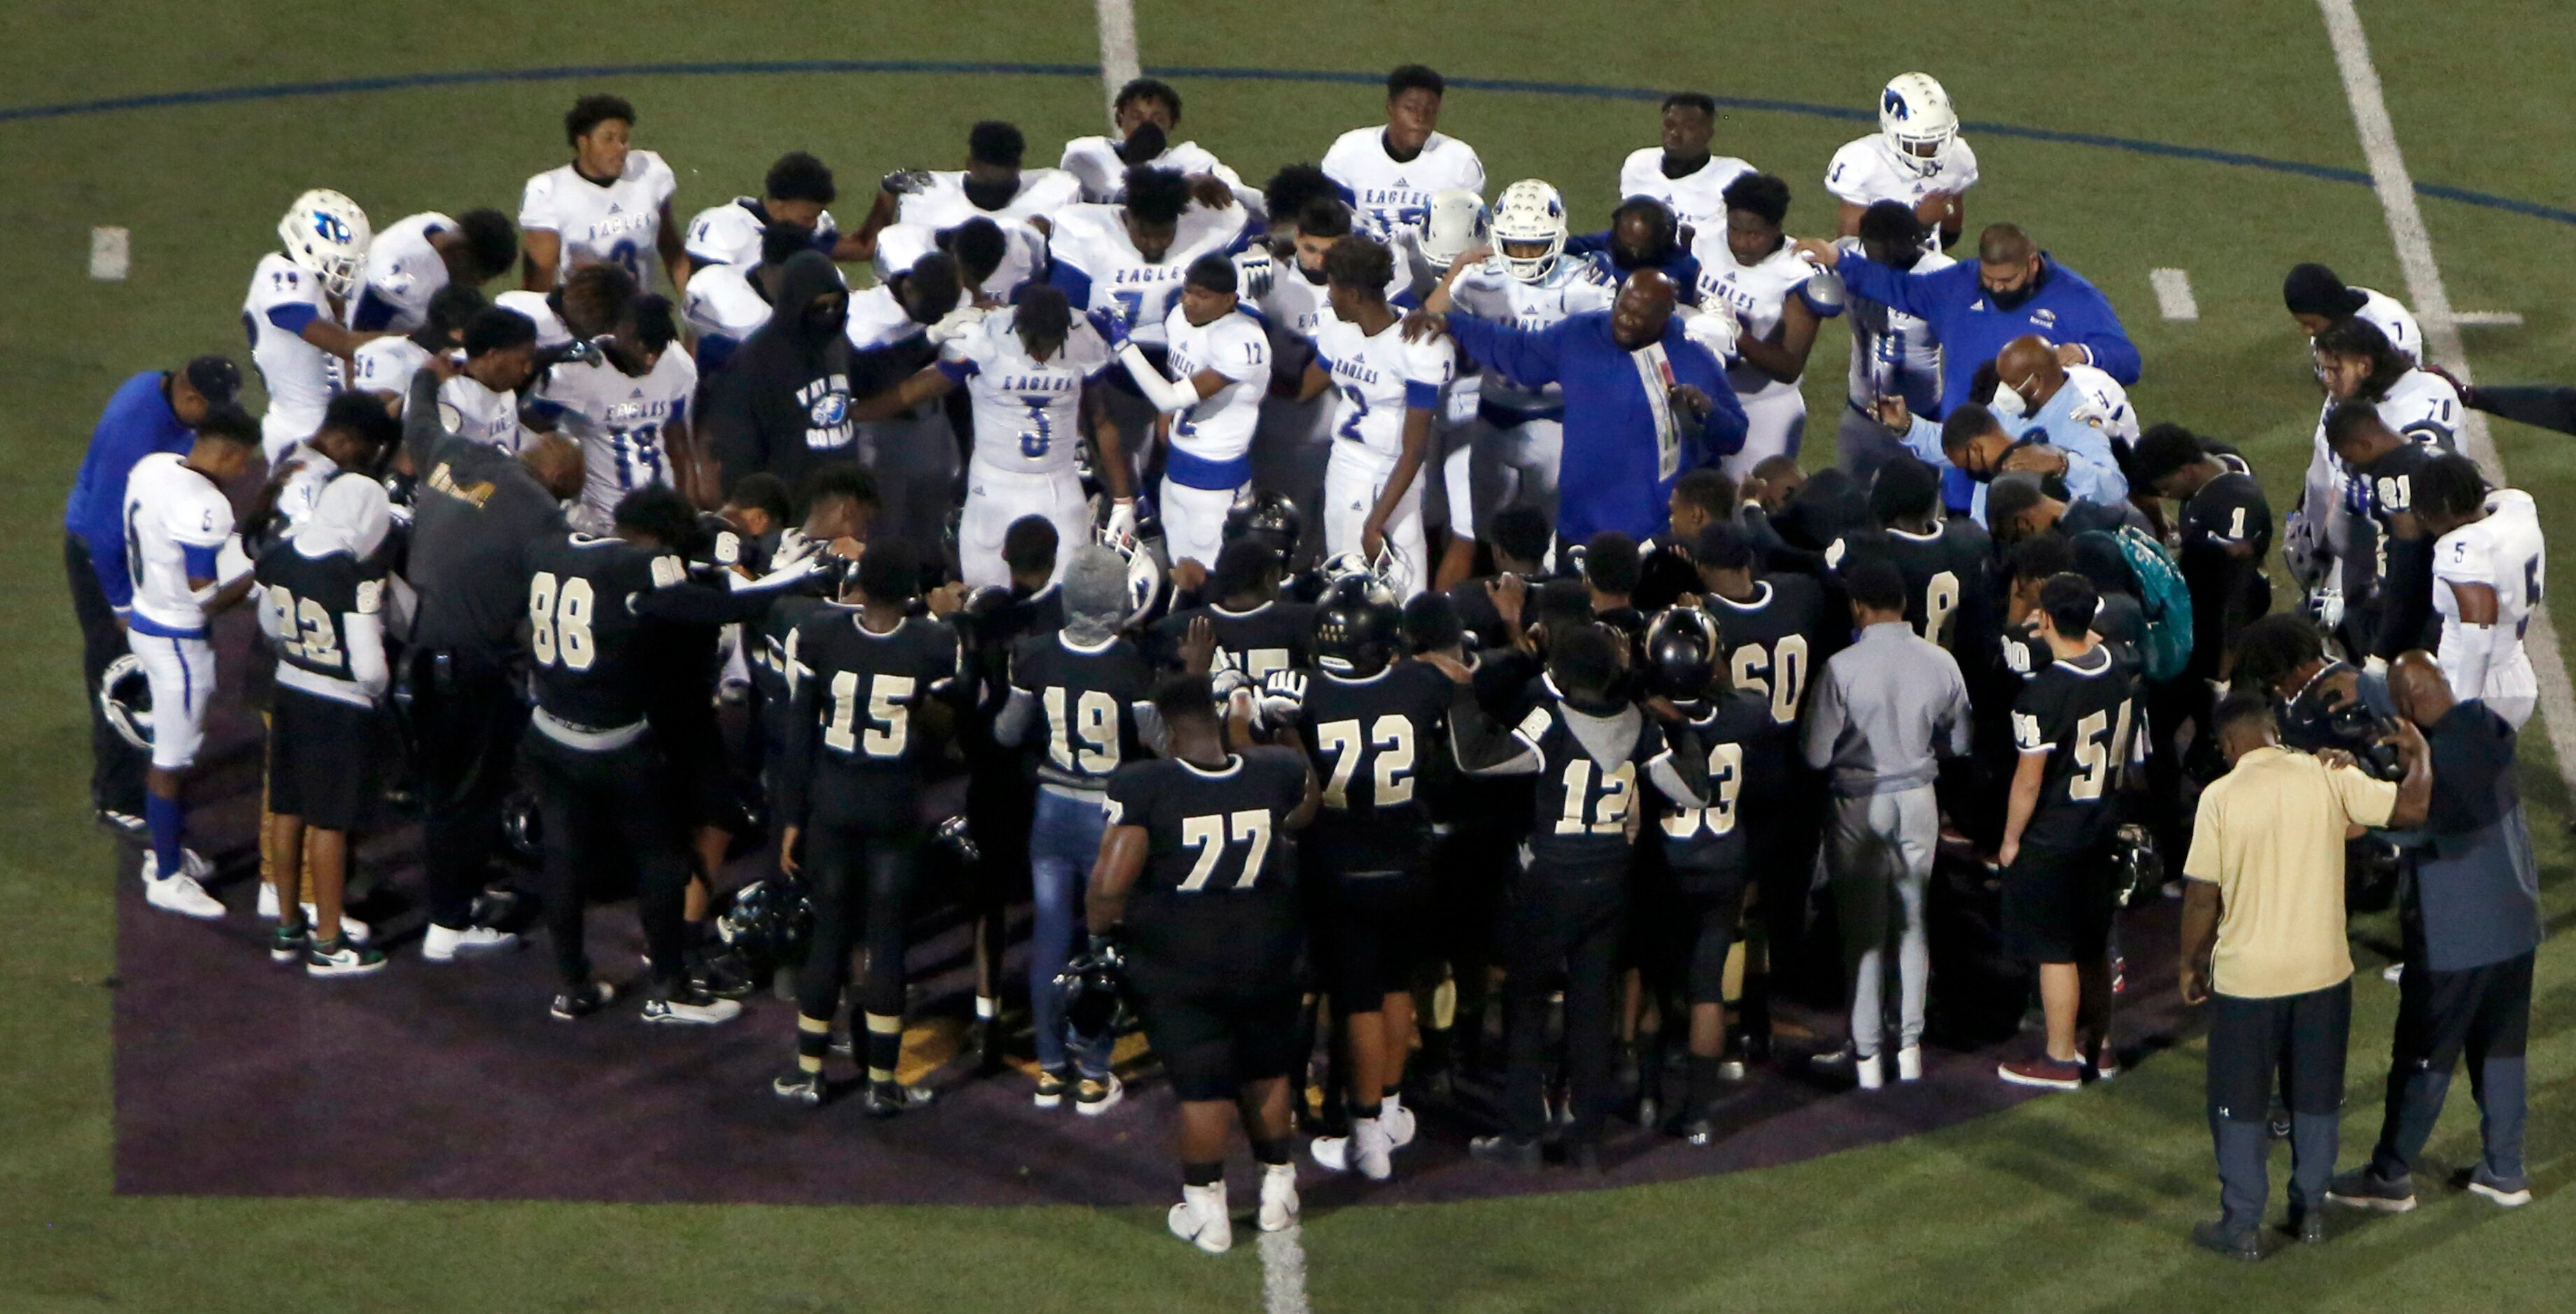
[1529,229]
[1916,119]
[1894,104]
[125,698]
[325,234]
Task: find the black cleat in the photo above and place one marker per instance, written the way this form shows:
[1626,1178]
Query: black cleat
[719,973]
[2307,1223]
[885,1099]
[1506,1151]
[590,997]
[2215,1237]
[990,1054]
[798,1086]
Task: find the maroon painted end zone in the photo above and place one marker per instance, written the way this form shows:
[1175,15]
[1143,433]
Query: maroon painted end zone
[236,1077]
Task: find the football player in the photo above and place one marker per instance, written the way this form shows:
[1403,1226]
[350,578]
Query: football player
[727,303]
[1593,754]
[2356,362]
[1219,360]
[796,190]
[1147,112]
[2226,527]
[383,366]
[1032,374]
[1917,158]
[1130,260]
[1893,354]
[1748,270]
[914,453]
[1945,563]
[1372,726]
[1254,631]
[185,563]
[1524,279]
[2490,564]
[2072,722]
[1681,172]
[1390,392]
[481,403]
[322,605]
[1089,688]
[1294,441]
[1643,234]
[611,204]
[417,257]
[2387,584]
[1196,882]
[297,315]
[1389,174]
[1023,202]
[2318,299]
[869,706]
[628,406]
[356,433]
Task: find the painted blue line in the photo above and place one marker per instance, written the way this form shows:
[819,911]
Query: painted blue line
[740,68]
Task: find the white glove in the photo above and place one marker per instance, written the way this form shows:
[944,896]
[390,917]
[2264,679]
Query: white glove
[1715,330]
[1224,681]
[2325,604]
[954,325]
[1283,696]
[1122,519]
[1253,271]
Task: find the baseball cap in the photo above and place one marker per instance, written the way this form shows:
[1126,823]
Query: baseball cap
[215,378]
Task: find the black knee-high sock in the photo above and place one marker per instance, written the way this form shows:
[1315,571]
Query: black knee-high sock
[1703,1085]
[1272,1152]
[1202,1174]
[813,1041]
[885,1045]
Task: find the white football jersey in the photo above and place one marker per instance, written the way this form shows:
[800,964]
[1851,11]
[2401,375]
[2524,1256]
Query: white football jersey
[2422,407]
[722,308]
[620,223]
[1697,198]
[2505,552]
[729,234]
[177,524]
[1091,244]
[1388,194]
[1218,427]
[1094,163]
[473,411]
[299,376]
[550,326]
[900,246]
[1868,170]
[1028,412]
[878,320]
[1489,293]
[403,272]
[618,419]
[1894,353]
[385,365]
[2393,320]
[1757,295]
[302,490]
[1377,379]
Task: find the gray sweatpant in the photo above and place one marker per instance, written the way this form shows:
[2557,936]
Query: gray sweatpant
[1878,863]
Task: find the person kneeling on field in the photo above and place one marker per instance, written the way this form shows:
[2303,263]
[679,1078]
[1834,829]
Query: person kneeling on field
[1197,876]
[321,599]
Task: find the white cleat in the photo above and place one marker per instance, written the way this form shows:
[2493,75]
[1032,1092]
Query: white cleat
[443,945]
[1278,1197]
[1201,1220]
[1332,1153]
[1398,1121]
[1909,1063]
[184,896]
[268,903]
[192,865]
[1371,1152]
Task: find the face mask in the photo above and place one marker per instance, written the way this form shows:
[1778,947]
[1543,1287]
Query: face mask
[824,321]
[991,195]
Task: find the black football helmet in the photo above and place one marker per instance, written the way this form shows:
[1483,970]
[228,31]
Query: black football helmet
[125,698]
[1271,519]
[768,924]
[1681,654]
[1358,627]
[2137,868]
[1094,983]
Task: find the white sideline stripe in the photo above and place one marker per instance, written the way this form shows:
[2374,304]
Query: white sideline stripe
[2173,294]
[111,254]
[1283,1272]
[1118,62]
[2488,319]
[2432,302]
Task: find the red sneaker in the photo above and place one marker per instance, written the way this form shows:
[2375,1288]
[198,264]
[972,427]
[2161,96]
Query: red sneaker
[2044,1072]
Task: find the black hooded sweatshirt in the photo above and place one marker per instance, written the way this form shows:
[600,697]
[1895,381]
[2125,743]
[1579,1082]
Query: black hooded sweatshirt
[782,404]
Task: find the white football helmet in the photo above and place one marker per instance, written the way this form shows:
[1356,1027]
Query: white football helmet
[1915,117]
[327,235]
[1455,226]
[1530,213]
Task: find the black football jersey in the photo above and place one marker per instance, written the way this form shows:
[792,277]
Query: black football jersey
[1771,641]
[2081,712]
[2228,590]
[1217,900]
[1707,843]
[1087,700]
[586,650]
[1271,637]
[310,603]
[1584,815]
[2379,491]
[1372,742]
[856,750]
[1946,575]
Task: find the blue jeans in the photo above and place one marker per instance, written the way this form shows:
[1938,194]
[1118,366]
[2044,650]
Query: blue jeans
[1063,843]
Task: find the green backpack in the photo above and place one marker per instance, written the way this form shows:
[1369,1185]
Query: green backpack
[2163,600]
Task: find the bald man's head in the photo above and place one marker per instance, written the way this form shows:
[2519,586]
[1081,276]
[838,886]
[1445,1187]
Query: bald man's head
[2029,366]
[2007,265]
[1645,304]
[556,462]
[2422,692]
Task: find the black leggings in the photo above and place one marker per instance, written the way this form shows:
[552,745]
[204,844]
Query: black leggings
[861,881]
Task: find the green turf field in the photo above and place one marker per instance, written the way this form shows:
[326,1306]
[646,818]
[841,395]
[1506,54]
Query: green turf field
[2075,1202]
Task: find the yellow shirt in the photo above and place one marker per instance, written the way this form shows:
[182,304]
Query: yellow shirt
[2270,836]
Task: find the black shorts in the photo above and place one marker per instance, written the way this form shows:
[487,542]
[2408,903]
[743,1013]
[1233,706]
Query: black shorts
[1367,937]
[2300,1037]
[2485,1010]
[1709,918]
[701,775]
[2057,904]
[325,760]
[1215,1037]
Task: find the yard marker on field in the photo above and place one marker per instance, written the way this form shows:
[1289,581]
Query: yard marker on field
[2488,319]
[110,254]
[2173,294]
[1283,1272]
[2432,303]
[1118,64]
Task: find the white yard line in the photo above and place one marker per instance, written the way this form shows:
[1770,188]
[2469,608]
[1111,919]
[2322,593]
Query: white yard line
[1283,1272]
[2432,303]
[1118,63]
[2173,294]
[2488,319]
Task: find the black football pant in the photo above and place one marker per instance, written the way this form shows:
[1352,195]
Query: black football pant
[2297,1040]
[1571,925]
[116,767]
[603,807]
[2482,1014]
[861,881]
[467,718]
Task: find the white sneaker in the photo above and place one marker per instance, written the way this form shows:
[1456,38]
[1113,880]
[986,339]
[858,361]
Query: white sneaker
[1866,1067]
[1278,1197]
[1370,1150]
[1201,1220]
[443,944]
[1909,1063]
[1398,1121]
[1332,1153]
[182,895]
[268,904]
[692,1008]
[192,865]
